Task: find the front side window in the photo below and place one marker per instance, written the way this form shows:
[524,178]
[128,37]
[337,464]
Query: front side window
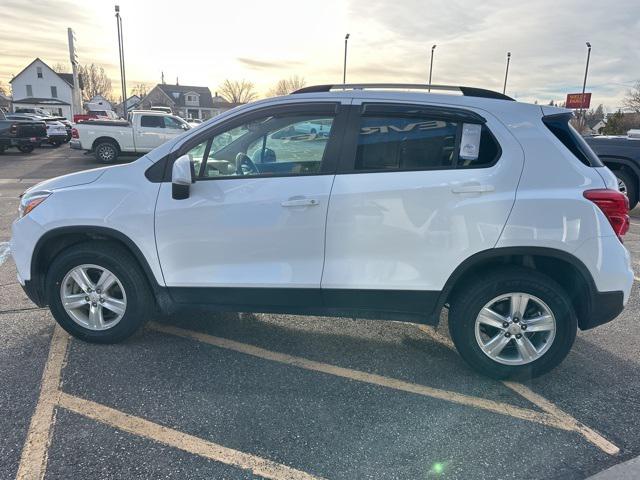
[170,122]
[152,121]
[270,146]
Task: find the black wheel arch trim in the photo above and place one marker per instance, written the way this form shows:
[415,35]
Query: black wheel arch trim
[596,315]
[37,282]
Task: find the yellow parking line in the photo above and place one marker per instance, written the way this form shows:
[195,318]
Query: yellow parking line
[183,441]
[370,378]
[33,461]
[590,435]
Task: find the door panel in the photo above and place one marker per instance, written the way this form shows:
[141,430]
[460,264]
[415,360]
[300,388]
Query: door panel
[408,230]
[237,233]
[256,216]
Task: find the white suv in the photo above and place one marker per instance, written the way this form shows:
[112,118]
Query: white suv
[408,203]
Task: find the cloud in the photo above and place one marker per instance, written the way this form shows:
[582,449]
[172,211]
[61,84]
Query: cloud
[255,64]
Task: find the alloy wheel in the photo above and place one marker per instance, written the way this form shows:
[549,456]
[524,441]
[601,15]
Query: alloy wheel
[515,328]
[93,297]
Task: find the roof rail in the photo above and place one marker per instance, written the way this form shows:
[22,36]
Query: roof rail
[466,91]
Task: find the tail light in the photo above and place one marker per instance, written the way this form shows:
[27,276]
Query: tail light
[13,129]
[614,205]
[74,133]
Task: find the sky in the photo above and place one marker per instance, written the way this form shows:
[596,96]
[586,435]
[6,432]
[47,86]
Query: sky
[204,42]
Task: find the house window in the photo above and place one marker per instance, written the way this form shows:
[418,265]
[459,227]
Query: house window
[54,92]
[39,71]
[29,91]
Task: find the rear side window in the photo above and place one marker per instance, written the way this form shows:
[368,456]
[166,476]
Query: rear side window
[408,139]
[152,121]
[570,138]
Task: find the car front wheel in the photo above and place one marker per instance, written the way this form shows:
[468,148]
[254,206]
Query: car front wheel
[97,292]
[512,323]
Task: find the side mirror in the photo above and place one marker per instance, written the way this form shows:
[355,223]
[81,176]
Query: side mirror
[185,126]
[182,176]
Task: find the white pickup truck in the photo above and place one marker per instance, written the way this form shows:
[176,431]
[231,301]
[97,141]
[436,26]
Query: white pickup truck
[141,133]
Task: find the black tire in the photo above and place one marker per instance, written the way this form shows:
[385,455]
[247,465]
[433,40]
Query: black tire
[26,148]
[475,294]
[106,152]
[631,184]
[140,301]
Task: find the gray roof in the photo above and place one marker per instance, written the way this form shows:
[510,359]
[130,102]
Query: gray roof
[41,101]
[177,94]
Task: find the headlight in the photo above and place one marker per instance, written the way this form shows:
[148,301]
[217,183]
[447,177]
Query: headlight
[31,200]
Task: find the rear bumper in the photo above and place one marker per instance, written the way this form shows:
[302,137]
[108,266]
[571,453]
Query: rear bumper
[75,144]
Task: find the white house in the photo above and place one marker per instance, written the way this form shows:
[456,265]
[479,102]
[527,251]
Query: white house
[38,86]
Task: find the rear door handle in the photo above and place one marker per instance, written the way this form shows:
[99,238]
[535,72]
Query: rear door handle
[473,189]
[300,202]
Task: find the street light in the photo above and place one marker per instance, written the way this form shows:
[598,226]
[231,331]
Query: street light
[123,77]
[506,73]
[431,65]
[584,83]
[344,69]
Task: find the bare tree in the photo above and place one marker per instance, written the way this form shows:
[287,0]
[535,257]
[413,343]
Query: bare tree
[3,89]
[287,85]
[95,82]
[238,91]
[60,68]
[632,98]
[141,89]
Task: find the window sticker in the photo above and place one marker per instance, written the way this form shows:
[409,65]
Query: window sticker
[470,143]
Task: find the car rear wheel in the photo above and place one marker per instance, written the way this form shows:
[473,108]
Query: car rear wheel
[628,185]
[512,323]
[106,152]
[26,148]
[97,292]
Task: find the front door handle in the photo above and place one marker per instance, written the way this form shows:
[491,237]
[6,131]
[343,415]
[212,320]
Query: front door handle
[476,188]
[300,202]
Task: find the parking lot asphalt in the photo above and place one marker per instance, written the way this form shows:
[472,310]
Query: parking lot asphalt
[210,395]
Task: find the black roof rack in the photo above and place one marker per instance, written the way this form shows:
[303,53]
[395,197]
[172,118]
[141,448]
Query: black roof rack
[466,91]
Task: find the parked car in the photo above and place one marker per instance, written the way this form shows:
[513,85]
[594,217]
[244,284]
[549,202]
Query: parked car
[40,112]
[622,155]
[143,132]
[96,114]
[415,202]
[56,131]
[22,134]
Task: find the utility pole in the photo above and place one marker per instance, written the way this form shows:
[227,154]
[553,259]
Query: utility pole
[431,65]
[584,85]
[344,69]
[506,73]
[77,94]
[123,77]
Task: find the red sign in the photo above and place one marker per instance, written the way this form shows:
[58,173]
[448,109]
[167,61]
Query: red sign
[575,100]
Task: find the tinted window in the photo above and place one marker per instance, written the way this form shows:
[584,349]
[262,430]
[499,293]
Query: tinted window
[570,138]
[152,121]
[269,146]
[405,143]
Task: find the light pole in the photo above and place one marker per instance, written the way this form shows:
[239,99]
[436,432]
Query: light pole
[344,68]
[431,65]
[584,83]
[123,77]
[506,73]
